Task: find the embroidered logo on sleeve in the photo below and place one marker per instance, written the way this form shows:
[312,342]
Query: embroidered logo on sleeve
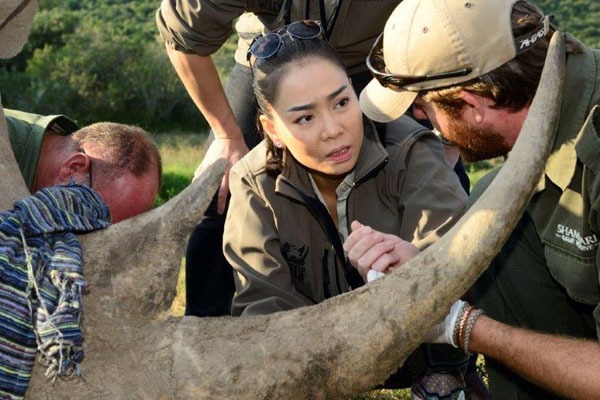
[572,236]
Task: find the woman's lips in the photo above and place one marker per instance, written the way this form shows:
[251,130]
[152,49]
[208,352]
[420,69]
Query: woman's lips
[340,154]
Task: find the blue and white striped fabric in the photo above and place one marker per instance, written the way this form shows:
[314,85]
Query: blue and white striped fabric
[41,278]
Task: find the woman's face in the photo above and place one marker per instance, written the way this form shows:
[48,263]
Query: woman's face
[317,117]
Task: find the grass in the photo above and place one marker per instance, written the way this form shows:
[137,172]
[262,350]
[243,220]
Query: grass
[478,169]
[181,153]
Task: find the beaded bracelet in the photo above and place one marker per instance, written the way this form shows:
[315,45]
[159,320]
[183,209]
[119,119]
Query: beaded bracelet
[459,317]
[461,327]
[472,318]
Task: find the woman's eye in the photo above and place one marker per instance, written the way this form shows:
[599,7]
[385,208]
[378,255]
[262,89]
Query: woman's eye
[304,119]
[342,103]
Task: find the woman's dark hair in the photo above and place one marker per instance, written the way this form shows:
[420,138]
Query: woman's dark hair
[267,74]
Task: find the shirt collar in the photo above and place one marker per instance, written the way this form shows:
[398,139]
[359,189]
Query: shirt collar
[579,86]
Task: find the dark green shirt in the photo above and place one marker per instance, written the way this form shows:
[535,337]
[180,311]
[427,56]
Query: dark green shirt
[565,209]
[566,205]
[26,133]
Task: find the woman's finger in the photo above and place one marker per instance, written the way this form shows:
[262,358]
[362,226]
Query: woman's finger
[374,253]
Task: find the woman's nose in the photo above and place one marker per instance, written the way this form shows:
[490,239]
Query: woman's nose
[332,128]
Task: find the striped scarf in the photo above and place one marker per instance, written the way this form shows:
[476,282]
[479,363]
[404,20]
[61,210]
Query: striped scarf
[41,278]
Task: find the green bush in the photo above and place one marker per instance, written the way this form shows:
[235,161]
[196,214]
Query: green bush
[173,182]
[103,60]
[579,17]
[99,60]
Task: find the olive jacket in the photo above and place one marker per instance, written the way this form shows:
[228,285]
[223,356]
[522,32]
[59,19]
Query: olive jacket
[276,230]
[203,26]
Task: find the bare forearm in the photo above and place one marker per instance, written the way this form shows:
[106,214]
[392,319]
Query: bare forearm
[569,367]
[201,79]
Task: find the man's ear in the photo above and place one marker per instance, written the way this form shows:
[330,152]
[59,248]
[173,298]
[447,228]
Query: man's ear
[75,165]
[269,129]
[476,106]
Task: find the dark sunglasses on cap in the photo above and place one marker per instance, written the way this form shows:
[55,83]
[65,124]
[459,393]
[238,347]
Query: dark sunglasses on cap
[267,46]
[376,65]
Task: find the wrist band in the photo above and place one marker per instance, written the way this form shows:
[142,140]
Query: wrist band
[459,317]
[461,328]
[472,318]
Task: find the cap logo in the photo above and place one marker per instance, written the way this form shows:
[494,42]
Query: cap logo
[527,41]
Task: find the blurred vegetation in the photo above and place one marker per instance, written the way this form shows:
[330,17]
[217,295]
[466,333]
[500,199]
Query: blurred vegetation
[476,170]
[181,152]
[579,17]
[100,60]
[104,60]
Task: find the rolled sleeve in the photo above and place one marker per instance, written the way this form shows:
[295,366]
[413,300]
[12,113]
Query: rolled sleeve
[251,245]
[197,26]
[431,194]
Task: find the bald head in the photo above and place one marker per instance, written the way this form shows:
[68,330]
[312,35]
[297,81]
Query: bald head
[120,162]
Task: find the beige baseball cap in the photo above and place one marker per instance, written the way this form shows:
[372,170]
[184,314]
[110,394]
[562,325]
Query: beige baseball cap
[16,17]
[433,37]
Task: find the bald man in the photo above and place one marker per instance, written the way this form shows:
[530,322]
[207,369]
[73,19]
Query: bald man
[118,161]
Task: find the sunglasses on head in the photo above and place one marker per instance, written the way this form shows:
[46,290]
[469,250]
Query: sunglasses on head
[267,46]
[376,65]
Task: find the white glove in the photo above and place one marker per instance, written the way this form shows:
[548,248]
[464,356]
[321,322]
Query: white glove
[374,274]
[443,332]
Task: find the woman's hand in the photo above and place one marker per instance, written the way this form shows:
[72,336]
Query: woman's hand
[369,249]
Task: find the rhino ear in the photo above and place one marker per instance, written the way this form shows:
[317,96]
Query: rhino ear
[16,17]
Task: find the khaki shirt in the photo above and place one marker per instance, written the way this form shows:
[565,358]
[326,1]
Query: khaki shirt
[282,257]
[202,26]
[566,206]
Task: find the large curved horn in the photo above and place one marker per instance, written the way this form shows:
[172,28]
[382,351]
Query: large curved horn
[133,265]
[16,21]
[337,348]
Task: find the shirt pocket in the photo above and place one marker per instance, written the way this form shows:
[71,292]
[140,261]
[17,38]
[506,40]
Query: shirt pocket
[570,248]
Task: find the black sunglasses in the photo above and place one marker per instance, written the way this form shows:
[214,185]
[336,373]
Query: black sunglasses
[267,46]
[376,65]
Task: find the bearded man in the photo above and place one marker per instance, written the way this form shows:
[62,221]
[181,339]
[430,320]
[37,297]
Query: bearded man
[472,68]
